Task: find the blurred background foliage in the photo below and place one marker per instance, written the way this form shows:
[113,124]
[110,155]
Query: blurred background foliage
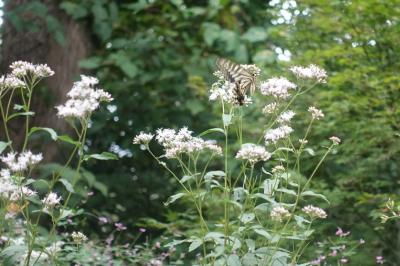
[157,58]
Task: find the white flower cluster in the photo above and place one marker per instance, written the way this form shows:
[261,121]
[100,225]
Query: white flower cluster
[285,117]
[273,135]
[277,87]
[143,138]
[311,72]
[22,162]
[335,140]
[11,82]
[315,113]
[315,212]
[78,237]
[278,169]
[176,143]
[270,108]
[279,213]
[253,153]
[51,200]
[9,190]
[226,91]
[84,98]
[22,68]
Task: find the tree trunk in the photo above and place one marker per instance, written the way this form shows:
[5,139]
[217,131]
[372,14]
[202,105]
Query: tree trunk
[41,47]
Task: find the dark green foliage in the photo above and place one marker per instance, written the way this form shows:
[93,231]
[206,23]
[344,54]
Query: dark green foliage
[357,42]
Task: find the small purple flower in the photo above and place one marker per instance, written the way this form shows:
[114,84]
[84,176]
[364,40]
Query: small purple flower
[90,193]
[341,233]
[379,259]
[142,230]
[333,253]
[120,226]
[69,221]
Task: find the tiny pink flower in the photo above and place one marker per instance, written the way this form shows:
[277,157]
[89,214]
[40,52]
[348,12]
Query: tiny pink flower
[333,253]
[120,226]
[379,259]
[142,230]
[103,220]
[344,260]
[341,233]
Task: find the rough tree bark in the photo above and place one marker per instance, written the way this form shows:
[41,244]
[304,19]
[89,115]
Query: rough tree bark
[41,47]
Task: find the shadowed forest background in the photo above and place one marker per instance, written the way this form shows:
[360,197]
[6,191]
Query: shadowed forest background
[157,59]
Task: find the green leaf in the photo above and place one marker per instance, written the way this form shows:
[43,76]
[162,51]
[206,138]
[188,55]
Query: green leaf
[101,187]
[247,217]
[102,156]
[211,33]
[310,151]
[211,174]
[287,191]
[68,186]
[313,194]
[259,230]
[195,244]
[249,259]
[52,132]
[186,178]
[20,114]
[212,130]
[255,34]
[90,63]
[173,198]
[68,139]
[233,260]
[3,146]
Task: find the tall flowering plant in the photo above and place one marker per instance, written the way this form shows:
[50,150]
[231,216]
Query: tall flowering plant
[254,205]
[23,209]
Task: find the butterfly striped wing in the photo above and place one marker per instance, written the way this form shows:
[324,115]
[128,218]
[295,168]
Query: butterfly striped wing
[236,74]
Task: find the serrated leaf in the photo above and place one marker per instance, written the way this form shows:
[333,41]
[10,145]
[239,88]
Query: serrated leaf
[313,194]
[173,198]
[102,156]
[212,130]
[4,145]
[247,217]
[52,132]
[68,186]
[195,244]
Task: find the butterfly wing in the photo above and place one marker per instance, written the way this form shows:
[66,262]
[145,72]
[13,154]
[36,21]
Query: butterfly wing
[236,74]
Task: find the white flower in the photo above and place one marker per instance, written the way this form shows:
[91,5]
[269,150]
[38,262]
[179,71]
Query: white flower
[84,98]
[11,82]
[273,135]
[51,200]
[22,192]
[37,257]
[303,141]
[253,153]
[176,143]
[54,247]
[270,108]
[277,169]
[279,213]
[315,113]
[78,237]
[277,87]
[335,140]
[285,117]
[226,91]
[315,212]
[22,162]
[311,72]
[22,68]
[143,138]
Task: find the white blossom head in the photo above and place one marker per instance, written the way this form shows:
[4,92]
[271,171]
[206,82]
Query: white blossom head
[314,212]
[276,134]
[253,153]
[51,200]
[10,82]
[84,98]
[21,162]
[315,113]
[182,141]
[143,138]
[277,87]
[278,169]
[22,68]
[270,108]
[335,140]
[285,117]
[279,213]
[78,237]
[312,72]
